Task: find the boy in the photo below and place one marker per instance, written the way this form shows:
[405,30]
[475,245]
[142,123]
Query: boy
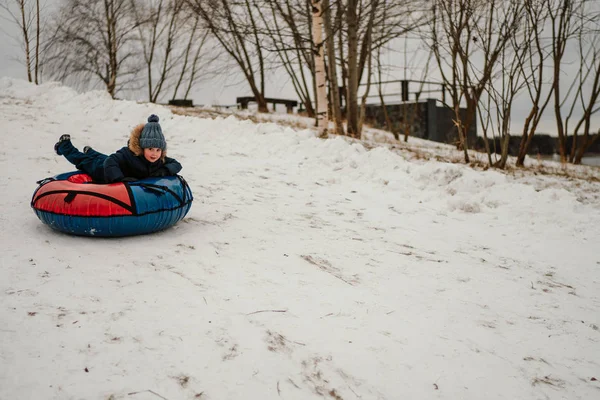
[144,156]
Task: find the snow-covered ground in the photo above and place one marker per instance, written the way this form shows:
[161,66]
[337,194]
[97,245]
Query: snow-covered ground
[306,269]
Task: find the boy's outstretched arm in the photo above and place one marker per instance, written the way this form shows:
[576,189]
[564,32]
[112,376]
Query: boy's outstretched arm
[112,170]
[172,165]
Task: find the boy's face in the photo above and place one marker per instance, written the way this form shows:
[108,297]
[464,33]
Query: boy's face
[152,154]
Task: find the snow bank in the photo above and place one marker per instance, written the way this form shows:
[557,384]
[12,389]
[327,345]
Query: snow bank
[306,268]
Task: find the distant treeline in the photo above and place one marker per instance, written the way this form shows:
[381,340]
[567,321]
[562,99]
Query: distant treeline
[540,144]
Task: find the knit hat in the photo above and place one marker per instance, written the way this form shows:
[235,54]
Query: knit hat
[152,136]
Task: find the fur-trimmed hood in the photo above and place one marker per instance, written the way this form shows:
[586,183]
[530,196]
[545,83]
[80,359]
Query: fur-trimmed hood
[134,143]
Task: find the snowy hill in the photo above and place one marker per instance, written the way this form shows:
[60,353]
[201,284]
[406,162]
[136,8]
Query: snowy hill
[305,269]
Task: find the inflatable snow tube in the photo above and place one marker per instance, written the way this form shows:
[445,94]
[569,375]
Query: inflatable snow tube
[71,203]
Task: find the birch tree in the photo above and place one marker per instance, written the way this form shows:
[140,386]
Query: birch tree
[334,96]
[319,54]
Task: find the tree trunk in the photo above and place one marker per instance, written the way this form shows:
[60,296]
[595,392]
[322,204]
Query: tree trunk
[194,68]
[172,34]
[528,131]
[343,94]
[37,43]
[321,118]
[26,40]
[505,140]
[386,114]
[352,100]
[587,142]
[504,152]
[334,94]
[562,144]
[411,118]
[262,103]
[259,97]
[560,35]
[112,67]
[363,103]
[460,129]
[186,56]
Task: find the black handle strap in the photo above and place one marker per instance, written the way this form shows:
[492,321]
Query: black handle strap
[45,180]
[70,197]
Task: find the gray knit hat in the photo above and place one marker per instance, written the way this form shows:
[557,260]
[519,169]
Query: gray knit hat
[152,136]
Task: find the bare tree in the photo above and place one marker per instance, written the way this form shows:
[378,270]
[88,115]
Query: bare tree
[562,15]
[502,91]
[574,26]
[368,26]
[355,61]
[367,54]
[235,26]
[26,15]
[160,27]
[192,55]
[533,68]
[95,39]
[461,31]
[288,26]
[587,81]
[451,37]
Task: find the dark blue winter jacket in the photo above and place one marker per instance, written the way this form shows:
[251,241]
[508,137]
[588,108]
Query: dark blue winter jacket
[125,164]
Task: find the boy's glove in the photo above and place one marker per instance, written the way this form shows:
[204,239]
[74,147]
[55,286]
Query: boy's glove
[162,171]
[128,179]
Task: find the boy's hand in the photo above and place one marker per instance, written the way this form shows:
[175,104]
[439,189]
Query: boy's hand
[162,171]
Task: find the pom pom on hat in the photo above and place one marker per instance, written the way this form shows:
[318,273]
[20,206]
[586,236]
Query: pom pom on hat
[152,136]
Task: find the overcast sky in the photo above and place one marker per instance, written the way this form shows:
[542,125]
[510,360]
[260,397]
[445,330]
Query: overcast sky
[223,89]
